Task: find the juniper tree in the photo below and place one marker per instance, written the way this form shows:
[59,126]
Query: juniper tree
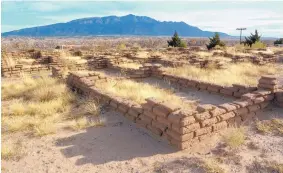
[214,41]
[252,39]
[176,41]
[279,41]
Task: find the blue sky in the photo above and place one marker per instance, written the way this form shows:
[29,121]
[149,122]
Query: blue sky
[222,16]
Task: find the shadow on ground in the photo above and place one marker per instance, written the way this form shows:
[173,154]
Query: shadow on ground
[119,140]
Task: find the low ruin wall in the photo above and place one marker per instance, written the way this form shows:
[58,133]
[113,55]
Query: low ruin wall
[180,127]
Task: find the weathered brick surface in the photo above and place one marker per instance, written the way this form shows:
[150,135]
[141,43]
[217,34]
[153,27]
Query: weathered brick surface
[217,111]
[161,111]
[185,129]
[228,107]
[241,111]
[253,108]
[159,125]
[227,116]
[179,137]
[208,122]
[150,114]
[203,131]
[164,121]
[219,126]
[205,107]
[156,131]
[202,116]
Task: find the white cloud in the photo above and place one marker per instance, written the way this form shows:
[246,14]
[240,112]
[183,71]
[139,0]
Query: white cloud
[226,20]
[45,6]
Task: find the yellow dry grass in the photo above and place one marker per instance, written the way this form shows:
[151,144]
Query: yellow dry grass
[211,166]
[39,105]
[11,150]
[203,54]
[130,65]
[83,123]
[138,92]
[73,59]
[10,62]
[242,73]
[274,125]
[235,137]
[26,61]
[142,54]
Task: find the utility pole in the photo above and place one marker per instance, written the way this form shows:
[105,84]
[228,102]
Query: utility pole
[241,29]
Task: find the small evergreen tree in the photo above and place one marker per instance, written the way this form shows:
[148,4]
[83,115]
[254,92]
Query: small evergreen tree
[252,39]
[176,41]
[279,41]
[214,41]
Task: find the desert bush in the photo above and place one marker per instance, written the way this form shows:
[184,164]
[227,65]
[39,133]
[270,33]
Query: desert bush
[37,54]
[78,53]
[279,41]
[121,46]
[214,41]
[58,47]
[253,38]
[176,41]
[274,125]
[31,50]
[235,137]
[211,166]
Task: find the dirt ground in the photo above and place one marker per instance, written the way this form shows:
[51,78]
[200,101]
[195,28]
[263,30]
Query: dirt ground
[121,146]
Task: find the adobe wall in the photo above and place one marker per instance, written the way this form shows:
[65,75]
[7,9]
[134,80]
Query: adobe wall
[180,127]
[19,69]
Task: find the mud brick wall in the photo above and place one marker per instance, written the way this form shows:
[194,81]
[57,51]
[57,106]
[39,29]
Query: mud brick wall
[20,69]
[235,90]
[268,82]
[180,127]
[57,72]
[279,98]
[97,63]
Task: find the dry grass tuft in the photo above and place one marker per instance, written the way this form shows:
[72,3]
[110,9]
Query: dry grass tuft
[138,92]
[242,73]
[265,167]
[39,105]
[83,123]
[211,166]
[11,150]
[235,137]
[130,65]
[274,125]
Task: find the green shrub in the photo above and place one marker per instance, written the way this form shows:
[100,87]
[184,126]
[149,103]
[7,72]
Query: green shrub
[279,41]
[252,39]
[214,41]
[183,44]
[78,53]
[176,41]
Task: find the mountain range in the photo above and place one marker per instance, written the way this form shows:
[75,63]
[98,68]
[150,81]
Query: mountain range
[114,25]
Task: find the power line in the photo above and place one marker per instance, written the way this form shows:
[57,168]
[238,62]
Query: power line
[241,29]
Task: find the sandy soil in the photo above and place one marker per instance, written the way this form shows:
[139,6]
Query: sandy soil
[122,147]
